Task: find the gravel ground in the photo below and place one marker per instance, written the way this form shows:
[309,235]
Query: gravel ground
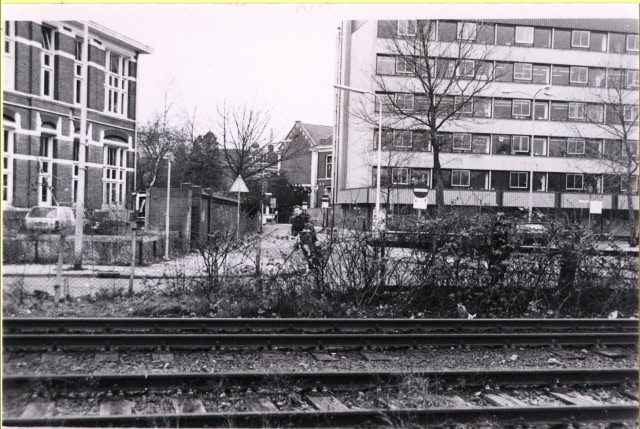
[419,395]
[298,360]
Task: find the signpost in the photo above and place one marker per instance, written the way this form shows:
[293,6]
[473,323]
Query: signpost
[420,197]
[240,187]
[325,204]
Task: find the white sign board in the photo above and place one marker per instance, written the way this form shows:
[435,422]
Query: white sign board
[420,197]
[420,203]
[595,207]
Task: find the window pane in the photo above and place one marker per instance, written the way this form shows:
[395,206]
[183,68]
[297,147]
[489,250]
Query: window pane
[542,110]
[524,35]
[385,65]
[542,38]
[559,111]
[506,35]
[560,75]
[114,63]
[540,74]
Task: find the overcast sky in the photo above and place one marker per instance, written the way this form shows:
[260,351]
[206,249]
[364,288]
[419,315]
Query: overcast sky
[280,57]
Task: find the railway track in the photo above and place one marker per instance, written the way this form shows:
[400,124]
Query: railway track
[12,325]
[453,395]
[315,333]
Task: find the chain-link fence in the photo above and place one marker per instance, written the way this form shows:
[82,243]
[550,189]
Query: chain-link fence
[491,267]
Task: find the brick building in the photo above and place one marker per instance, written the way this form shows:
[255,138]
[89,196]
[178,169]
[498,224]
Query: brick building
[42,77]
[486,152]
[310,161]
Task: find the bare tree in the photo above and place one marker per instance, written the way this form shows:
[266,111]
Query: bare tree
[446,68]
[616,114]
[248,148]
[156,139]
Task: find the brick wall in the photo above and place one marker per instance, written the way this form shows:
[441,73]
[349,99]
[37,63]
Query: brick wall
[93,188]
[63,76]
[96,89]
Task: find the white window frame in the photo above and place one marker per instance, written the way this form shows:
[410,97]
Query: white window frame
[467,107]
[399,138]
[625,188]
[575,109]
[462,141]
[580,43]
[523,73]
[545,146]
[8,56]
[405,69]
[114,178]
[405,98]
[77,74]
[328,166]
[634,42]
[463,64]
[404,27]
[45,173]
[396,173]
[522,146]
[574,175]
[575,146]
[390,62]
[545,104]
[461,174]
[579,69]
[631,114]
[46,61]
[526,35]
[427,174]
[518,175]
[520,103]
[467,31]
[632,78]
[117,85]
[8,138]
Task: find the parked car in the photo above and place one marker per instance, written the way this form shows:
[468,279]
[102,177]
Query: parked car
[50,219]
[533,233]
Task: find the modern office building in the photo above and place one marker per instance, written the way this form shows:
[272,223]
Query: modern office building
[42,81]
[493,151]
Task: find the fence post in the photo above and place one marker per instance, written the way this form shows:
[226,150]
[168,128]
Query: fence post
[59,269]
[134,233]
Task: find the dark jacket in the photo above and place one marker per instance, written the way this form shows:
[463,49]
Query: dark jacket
[299,222]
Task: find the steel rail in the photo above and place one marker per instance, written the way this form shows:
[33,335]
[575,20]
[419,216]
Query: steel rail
[432,417]
[527,377]
[14,324]
[315,340]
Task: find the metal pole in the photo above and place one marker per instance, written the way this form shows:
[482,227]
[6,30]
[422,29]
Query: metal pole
[79,233]
[134,233]
[238,219]
[379,155]
[166,244]
[533,129]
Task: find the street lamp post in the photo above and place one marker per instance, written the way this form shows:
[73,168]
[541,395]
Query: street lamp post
[533,128]
[166,243]
[376,215]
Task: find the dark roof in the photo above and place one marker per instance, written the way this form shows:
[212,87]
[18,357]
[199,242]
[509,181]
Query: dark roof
[318,132]
[622,25]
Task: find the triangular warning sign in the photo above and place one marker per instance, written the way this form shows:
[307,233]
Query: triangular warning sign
[239,185]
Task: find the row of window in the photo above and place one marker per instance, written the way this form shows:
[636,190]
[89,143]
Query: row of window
[543,74]
[501,144]
[511,35]
[542,182]
[507,108]
[116,76]
[114,177]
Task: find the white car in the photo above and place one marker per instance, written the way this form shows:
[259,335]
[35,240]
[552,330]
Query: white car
[50,219]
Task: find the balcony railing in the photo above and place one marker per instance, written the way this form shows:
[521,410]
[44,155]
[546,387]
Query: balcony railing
[581,201]
[490,198]
[622,202]
[521,199]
